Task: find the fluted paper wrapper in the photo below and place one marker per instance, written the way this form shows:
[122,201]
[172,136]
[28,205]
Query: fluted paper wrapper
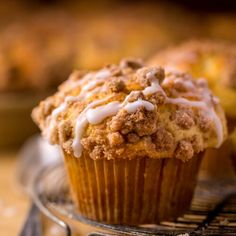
[138,191]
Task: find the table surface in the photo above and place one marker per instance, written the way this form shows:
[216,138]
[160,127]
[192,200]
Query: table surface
[14,202]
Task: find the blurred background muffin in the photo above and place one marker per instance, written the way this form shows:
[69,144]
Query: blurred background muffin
[36,54]
[216,62]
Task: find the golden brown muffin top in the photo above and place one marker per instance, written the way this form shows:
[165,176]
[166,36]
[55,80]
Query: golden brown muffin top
[37,52]
[129,111]
[213,60]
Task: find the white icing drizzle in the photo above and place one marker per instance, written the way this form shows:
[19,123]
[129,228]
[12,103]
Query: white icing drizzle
[187,83]
[129,96]
[154,88]
[206,106]
[98,79]
[78,83]
[208,109]
[56,112]
[95,78]
[132,107]
[97,115]
[87,91]
[80,126]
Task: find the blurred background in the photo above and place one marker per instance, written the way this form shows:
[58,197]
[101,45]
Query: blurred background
[42,42]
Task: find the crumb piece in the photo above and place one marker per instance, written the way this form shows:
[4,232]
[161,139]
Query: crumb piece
[116,71]
[202,82]
[116,85]
[48,107]
[88,143]
[97,152]
[131,63]
[203,122]
[115,139]
[195,144]
[184,151]
[132,138]
[142,122]
[157,98]
[146,74]
[183,118]
[67,146]
[163,139]
[65,131]
[135,96]
[120,151]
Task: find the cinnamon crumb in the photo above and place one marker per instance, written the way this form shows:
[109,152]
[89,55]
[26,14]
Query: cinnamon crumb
[145,75]
[132,138]
[65,131]
[132,63]
[183,118]
[163,139]
[115,139]
[184,151]
[116,85]
[204,122]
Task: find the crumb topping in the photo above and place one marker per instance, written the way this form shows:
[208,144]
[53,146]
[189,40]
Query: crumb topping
[129,111]
[213,60]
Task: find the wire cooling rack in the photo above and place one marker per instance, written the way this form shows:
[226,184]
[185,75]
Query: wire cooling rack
[213,210]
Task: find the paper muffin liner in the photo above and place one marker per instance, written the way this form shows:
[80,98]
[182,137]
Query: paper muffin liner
[137,191]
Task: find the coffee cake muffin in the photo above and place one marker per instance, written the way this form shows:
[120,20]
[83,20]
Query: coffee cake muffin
[132,138]
[216,62]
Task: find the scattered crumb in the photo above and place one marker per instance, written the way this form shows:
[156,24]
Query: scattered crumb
[9,212]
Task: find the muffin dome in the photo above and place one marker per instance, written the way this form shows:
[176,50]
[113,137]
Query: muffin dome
[129,111]
[213,60]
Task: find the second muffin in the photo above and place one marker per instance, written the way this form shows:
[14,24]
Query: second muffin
[132,139]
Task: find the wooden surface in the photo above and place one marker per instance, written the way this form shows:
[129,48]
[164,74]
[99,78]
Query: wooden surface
[13,201]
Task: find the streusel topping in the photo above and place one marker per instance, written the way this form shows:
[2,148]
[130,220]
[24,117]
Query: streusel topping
[129,111]
[213,60]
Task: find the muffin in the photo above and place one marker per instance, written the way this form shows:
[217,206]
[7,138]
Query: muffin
[132,139]
[216,62]
[36,54]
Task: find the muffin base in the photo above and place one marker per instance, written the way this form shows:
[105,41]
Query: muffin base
[137,191]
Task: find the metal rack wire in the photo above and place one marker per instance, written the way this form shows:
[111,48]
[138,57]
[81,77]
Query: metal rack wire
[213,210]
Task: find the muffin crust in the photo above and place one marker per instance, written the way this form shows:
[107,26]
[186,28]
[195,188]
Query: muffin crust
[130,111]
